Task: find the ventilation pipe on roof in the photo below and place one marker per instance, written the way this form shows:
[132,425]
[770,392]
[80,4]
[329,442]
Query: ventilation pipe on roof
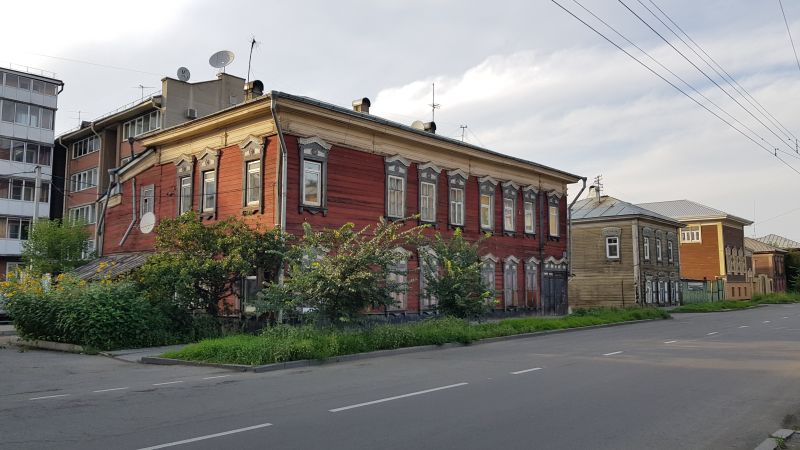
[430,127]
[253,89]
[361,105]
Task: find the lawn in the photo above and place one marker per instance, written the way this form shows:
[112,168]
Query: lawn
[284,343]
[727,305]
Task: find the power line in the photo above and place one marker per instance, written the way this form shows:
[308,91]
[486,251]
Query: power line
[610,41]
[622,2]
[760,107]
[790,34]
[107,66]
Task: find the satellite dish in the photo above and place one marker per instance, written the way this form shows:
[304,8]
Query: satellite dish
[183,74]
[418,124]
[221,59]
[147,223]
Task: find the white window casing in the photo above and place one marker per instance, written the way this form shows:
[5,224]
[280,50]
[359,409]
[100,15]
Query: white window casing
[612,247]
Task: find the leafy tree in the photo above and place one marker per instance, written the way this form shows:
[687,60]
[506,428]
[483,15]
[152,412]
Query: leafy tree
[56,246]
[337,274]
[197,266]
[454,278]
[792,270]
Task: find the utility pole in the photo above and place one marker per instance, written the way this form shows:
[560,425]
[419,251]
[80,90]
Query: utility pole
[36,192]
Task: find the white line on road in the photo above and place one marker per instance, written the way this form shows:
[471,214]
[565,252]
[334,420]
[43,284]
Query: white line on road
[612,353]
[744,326]
[168,382]
[208,436]
[112,389]
[48,396]
[712,333]
[670,342]
[766,321]
[526,371]
[450,386]
[784,317]
[218,376]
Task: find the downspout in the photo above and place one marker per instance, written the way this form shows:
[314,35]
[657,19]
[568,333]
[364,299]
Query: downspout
[281,182]
[569,237]
[97,188]
[133,219]
[98,230]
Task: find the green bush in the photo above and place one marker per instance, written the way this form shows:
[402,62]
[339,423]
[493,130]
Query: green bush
[103,315]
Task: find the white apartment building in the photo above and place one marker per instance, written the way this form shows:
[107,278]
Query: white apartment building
[28,103]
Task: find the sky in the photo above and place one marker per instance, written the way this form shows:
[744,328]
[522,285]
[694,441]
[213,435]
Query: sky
[525,77]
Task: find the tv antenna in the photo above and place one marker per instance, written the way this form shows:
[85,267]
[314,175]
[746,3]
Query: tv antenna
[143,87]
[253,44]
[463,129]
[79,112]
[598,185]
[221,59]
[434,106]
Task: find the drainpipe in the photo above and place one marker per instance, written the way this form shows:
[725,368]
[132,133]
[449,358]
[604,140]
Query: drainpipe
[133,218]
[99,164]
[281,182]
[569,236]
[112,175]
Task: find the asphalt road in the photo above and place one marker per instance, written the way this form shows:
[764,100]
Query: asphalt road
[713,381]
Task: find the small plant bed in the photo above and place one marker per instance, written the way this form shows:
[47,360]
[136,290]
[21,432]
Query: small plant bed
[283,343]
[728,305]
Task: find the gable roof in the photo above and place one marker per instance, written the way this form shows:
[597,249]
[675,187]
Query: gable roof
[687,210]
[756,246]
[779,241]
[607,207]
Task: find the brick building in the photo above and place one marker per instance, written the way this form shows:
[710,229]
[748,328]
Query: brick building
[712,245]
[284,160]
[769,262]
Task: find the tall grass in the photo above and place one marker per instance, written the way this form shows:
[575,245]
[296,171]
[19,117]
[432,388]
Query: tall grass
[725,305]
[284,343]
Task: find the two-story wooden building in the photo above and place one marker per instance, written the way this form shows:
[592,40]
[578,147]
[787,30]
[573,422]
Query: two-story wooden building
[623,254]
[712,245]
[284,160]
[769,262]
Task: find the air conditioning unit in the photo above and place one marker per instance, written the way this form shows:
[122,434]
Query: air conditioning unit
[191,113]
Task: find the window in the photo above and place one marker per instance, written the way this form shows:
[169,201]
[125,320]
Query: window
[27,115]
[397,193]
[34,116]
[14,269]
[18,228]
[691,234]
[18,151]
[44,192]
[646,243]
[648,291]
[428,267]
[85,146]
[531,281]
[510,281]
[21,116]
[670,252]
[488,271]
[8,111]
[209,191]
[508,214]
[147,201]
[47,119]
[658,249]
[88,249]
[84,180]
[612,247]
[37,86]
[24,83]
[83,213]
[427,202]
[312,175]
[530,218]
[457,206]
[12,80]
[45,153]
[486,211]
[142,124]
[554,231]
[253,183]
[398,279]
[186,195]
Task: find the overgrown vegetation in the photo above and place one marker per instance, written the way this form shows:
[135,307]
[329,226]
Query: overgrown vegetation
[56,246]
[725,305]
[792,266]
[284,343]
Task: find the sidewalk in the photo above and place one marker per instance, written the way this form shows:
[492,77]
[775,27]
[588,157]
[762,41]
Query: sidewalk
[7,330]
[136,354]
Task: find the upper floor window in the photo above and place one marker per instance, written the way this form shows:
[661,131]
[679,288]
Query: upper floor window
[253,183]
[85,146]
[554,227]
[86,179]
[457,182]
[428,175]
[670,252]
[314,154]
[32,84]
[489,272]
[646,243]
[253,157]
[185,194]
[612,247]
[396,176]
[147,201]
[658,250]
[691,234]
[85,213]
[27,115]
[529,207]
[23,189]
[14,228]
[510,190]
[486,187]
[209,195]
[184,169]
[141,125]
[208,166]
[398,281]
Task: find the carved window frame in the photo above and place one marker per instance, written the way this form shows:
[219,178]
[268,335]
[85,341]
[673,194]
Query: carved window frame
[429,173]
[396,167]
[184,168]
[486,187]
[314,149]
[529,195]
[253,149]
[456,179]
[208,162]
[510,192]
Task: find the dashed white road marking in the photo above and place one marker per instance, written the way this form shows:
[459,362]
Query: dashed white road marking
[48,396]
[208,436]
[526,371]
[670,342]
[785,317]
[744,326]
[168,382]
[215,377]
[397,397]
[712,333]
[612,353]
[112,389]
[766,321]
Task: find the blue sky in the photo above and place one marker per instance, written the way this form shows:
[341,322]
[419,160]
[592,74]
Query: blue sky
[526,79]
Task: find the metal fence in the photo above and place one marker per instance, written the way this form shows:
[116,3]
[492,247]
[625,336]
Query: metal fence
[702,291]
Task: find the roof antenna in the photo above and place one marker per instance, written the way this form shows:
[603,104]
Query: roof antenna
[143,87]
[463,129]
[598,185]
[253,45]
[434,106]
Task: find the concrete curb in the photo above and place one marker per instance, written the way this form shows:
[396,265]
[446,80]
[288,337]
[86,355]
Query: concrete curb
[375,354]
[772,442]
[723,310]
[4,333]
[48,345]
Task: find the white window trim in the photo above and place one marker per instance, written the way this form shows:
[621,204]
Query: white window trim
[670,252]
[610,244]
[306,171]
[75,212]
[432,200]
[508,215]
[204,206]
[554,224]
[147,200]
[659,250]
[185,204]
[646,245]
[83,180]
[688,234]
[457,207]
[532,228]
[396,211]
[252,167]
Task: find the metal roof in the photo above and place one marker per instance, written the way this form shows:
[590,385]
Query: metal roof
[611,208]
[687,210]
[779,241]
[756,246]
[111,266]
